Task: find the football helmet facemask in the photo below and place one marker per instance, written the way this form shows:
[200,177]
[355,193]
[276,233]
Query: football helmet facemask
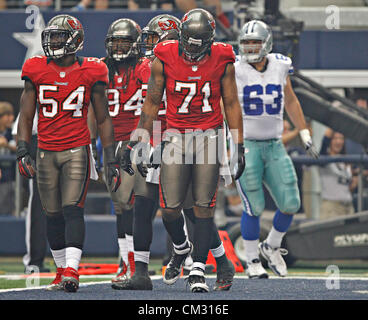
[121,39]
[255,41]
[63,35]
[160,28]
[197,34]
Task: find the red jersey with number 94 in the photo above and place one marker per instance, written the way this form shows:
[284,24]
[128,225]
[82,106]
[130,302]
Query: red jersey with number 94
[63,94]
[193,90]
[125,99]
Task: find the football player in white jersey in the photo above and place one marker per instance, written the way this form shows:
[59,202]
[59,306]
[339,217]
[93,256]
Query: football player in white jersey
[264,90]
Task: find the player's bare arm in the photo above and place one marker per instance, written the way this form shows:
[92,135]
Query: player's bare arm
[295,113]
[105,129]
[91,120]
[101,113]
[292,106]
[231,103]
[233,114]
[151,106]
[152,102]
[27,111]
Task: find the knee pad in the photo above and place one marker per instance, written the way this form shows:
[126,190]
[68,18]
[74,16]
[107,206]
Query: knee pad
[170,214]
[291,201]
[203,212]
[253,200]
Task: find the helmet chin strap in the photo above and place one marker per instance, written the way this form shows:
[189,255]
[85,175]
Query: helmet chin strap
[253,58]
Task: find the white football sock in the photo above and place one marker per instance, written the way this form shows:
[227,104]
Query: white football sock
[59,258]
[130,243]
[274,238]
[73,257]
[178,248]
[198,265]
[219,251]
[123,249]
[251,250]
[142,256]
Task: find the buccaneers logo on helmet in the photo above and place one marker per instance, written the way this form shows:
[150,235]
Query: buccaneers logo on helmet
[167,25]
[75,24]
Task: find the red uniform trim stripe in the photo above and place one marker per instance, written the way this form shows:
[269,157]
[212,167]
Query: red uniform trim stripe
[82,199]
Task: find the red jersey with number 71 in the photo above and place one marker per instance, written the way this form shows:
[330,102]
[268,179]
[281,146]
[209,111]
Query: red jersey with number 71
[63,95]
[193,90]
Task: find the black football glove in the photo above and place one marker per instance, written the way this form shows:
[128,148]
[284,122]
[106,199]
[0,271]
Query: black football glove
[238,159]
[156,156]
[26,164]
[143,158]
[125,161]
[113,169]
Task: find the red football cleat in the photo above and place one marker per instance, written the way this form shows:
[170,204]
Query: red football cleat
[131,263]
[70,280]
[56,284]
[122,274]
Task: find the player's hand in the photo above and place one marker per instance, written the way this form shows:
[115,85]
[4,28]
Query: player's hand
[113,169]
[26,164]
[125,161]
[308,143]
[240,160]
[143,159]
[156,156]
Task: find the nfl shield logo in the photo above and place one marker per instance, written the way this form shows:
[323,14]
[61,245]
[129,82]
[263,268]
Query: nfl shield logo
[194,68]
[62,74]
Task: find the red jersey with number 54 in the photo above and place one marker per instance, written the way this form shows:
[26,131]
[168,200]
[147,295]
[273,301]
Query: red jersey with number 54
[193,90]
[63,95]
[125,99]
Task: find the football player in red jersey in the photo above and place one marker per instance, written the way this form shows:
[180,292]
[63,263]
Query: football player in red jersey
[196,73]
[124,94]
[63,85]
[160,28]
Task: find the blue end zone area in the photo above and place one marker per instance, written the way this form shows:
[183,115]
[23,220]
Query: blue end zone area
[100,240]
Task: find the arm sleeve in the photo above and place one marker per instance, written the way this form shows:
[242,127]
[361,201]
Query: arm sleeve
[100,73]
[29,71]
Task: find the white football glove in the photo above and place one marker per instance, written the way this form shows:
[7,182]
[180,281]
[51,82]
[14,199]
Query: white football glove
[308,143]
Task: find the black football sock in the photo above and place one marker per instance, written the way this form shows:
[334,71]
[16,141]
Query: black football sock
[202,239]
[55,230]
[128,221]
[175,228]
[120,226]
[74,226]
[142,222]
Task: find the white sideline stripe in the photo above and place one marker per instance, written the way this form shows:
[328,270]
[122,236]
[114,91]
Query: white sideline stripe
[361,291]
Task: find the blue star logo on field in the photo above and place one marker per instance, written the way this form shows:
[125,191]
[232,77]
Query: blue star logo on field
[32,40]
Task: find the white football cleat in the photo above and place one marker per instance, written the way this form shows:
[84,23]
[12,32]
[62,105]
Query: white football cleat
[255,270]
[274,258]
